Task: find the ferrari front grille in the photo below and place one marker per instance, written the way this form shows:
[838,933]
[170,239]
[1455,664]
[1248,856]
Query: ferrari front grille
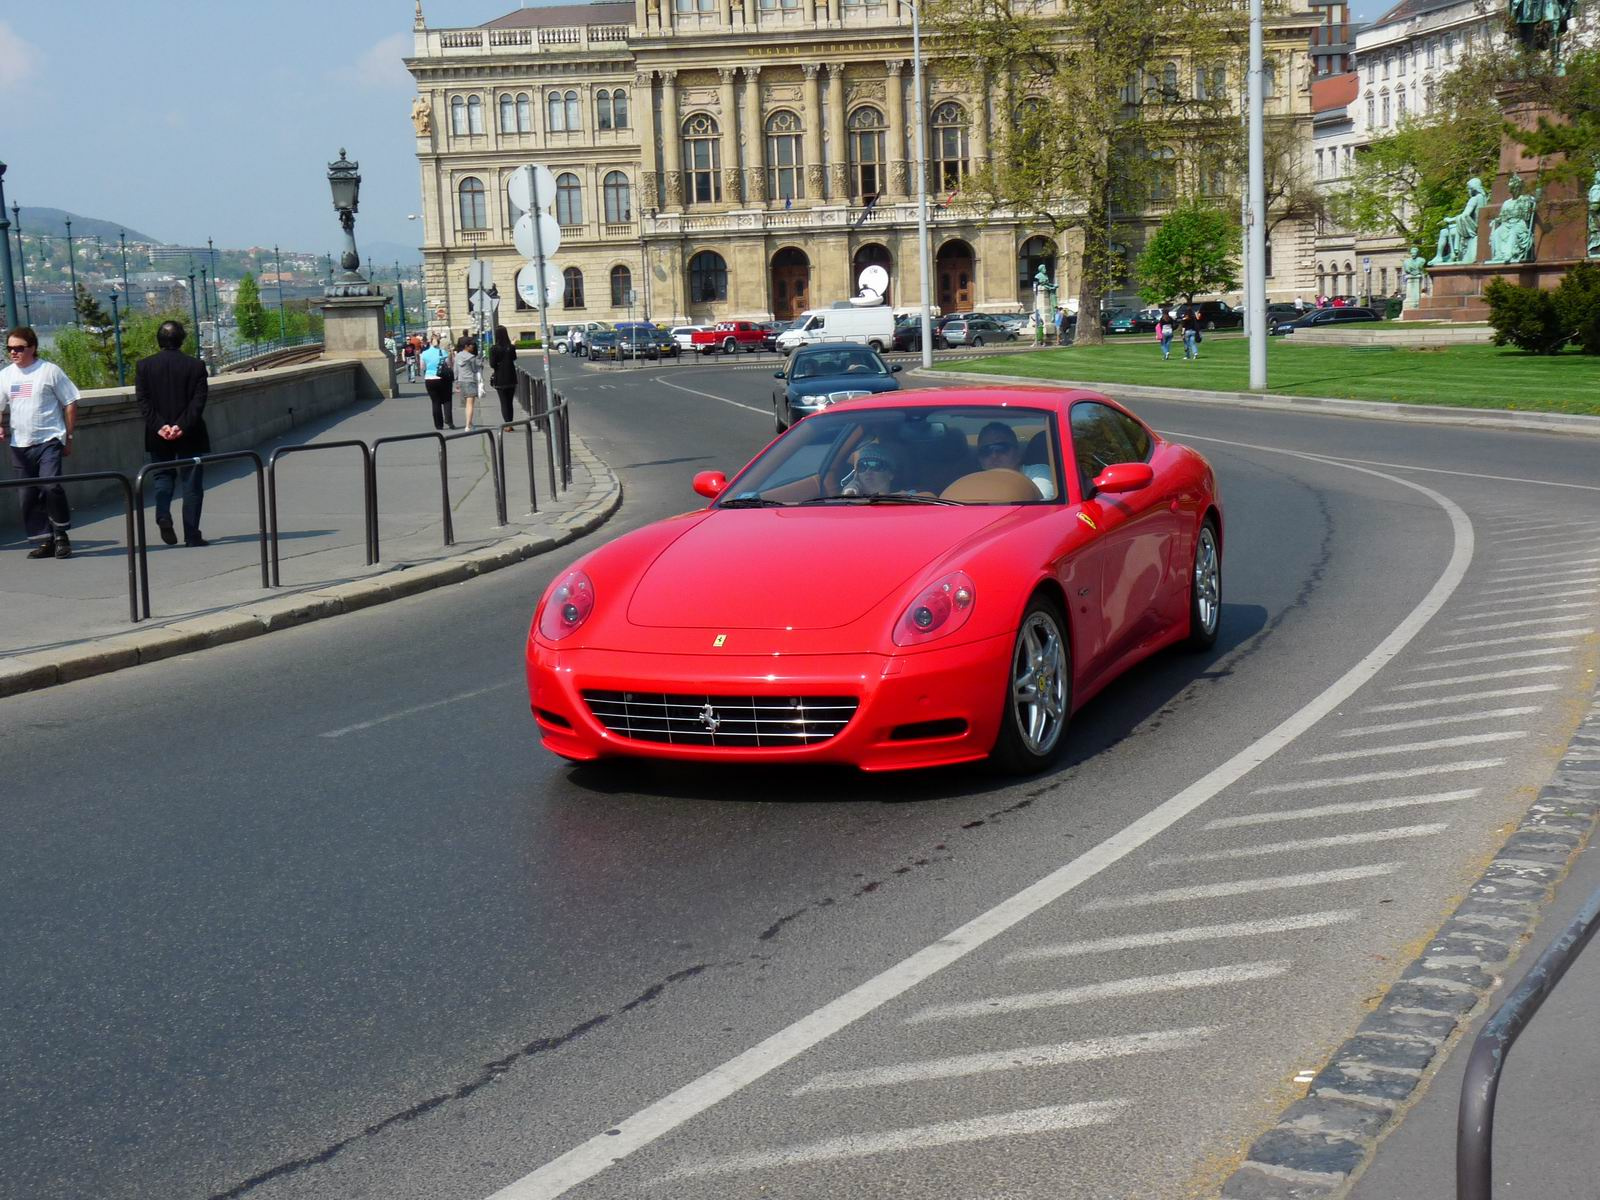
[732,721]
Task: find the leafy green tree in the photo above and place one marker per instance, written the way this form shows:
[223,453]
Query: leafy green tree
[90,311]
[80,354]
[248,314]
[1195,250]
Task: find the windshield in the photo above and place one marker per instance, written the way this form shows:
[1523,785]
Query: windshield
[843,361]
[976,454]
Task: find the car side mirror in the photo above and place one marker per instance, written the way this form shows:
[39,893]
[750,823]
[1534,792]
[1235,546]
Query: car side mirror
[897,367]
[777,374]
[710,484]
[1124,477]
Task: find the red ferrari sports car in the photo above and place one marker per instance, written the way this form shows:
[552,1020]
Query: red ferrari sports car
[905,580]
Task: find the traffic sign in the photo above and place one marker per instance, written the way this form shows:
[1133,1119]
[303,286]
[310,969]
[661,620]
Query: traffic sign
[1366,262]
[522,235]
[528,286]
[532,187]
[480,276]
[439,313]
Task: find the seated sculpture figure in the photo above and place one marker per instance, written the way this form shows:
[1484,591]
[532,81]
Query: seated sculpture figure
[1511,231]
[1458,239]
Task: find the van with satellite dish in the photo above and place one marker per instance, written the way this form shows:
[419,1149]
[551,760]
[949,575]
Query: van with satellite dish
[872,326]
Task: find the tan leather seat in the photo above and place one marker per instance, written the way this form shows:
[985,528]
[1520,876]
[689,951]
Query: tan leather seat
[999,486]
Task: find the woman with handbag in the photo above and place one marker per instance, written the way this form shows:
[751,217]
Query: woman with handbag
[503,372]
[437,379]
[469,370]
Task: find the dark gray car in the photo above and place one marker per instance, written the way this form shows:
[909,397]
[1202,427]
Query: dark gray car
[1321,318]
[820,376]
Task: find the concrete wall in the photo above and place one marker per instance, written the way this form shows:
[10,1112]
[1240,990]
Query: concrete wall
[242,411]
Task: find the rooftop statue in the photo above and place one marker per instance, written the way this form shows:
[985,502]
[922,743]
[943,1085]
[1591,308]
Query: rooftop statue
[1458,239]
[1539,24]
[1511,232]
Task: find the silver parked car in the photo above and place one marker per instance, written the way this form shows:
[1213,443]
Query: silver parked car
[976,329]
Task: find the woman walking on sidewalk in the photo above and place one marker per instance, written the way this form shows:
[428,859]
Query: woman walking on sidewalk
[503,372]
[469,370]
[438,387]
[1164,334]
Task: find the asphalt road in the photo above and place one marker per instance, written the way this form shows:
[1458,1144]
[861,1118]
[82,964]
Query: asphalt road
[315,916]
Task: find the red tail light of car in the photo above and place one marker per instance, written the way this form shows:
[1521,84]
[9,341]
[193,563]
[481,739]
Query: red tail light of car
[569,604]
[941,609]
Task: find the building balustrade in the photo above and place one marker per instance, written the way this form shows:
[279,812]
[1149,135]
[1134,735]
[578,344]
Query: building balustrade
[453,43]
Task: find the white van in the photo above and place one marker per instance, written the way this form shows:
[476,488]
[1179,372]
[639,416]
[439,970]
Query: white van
[874,326]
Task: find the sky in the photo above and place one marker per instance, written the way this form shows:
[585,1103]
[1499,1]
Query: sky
[189,119]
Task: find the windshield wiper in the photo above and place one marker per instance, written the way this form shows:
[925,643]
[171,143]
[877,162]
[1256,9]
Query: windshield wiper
[753,502]
[890,498]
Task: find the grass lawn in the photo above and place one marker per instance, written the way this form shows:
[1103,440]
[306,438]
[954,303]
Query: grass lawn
[1470,376]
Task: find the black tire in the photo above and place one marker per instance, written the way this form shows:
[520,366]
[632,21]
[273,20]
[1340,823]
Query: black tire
[977,341]
[729,345]
[1041,643]
[1211,326]
[876,345]
[1205,594]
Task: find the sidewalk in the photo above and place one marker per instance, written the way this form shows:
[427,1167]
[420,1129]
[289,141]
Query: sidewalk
[67,620]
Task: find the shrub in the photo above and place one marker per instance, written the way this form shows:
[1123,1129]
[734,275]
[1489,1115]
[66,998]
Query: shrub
[1525,317]
[1578,303]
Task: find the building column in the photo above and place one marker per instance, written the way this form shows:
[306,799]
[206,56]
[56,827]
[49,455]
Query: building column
[833,12]
[755,147]
[730,135]
[671,140]
[895,168]
[750,14]
[839,168]
[980,134]
[812,139]
[644,117]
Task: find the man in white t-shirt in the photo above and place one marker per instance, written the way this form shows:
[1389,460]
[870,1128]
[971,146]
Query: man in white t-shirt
[998,448]
[38,415]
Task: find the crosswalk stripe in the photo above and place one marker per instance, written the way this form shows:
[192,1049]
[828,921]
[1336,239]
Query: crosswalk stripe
[1242,887]
[1529,689]
[1471,626]
[1340,810]
[1540,586]
[1022,1057]
[1513,673]
[1110,989]
[1553,635]
[1482,714]
[1053,1118]
[1191,933]
[1479,659]
[1310,785]
[1500,605]
[1332,841]
[1449,743]
[1558,555]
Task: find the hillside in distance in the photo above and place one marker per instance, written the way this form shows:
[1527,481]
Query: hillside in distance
[52,222]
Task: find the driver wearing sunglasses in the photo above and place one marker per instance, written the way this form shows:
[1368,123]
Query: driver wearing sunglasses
[875,468]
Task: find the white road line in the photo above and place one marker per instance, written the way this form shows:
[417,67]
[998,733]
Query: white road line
[1449,743]
[1540,587]
[1570,632]
[1501,605]
[1455,679]
[632,1133]
[1110,989]
[1470,626]
[1485,714]
[1241,887]
[1055,1118]
[1476,660]
[1020,1058]
[1191,933]
[1557,556]
[1437,701]
[1398,833]
[1545,539]
[765,412]
[1308,785]
[419,708]
[1339,810]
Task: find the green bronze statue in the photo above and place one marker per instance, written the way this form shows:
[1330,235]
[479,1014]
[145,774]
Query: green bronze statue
[1458,239]
[1511,231]
[1594,216]
[1413,269]
[1540,24]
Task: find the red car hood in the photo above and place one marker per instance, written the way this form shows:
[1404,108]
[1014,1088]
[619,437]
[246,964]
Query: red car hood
[796,568]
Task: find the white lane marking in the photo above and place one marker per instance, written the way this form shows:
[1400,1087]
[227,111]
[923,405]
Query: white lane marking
[1340,810]
[1190,933]
[1054,1118]
[1481,676]
[589,1158]
[1501,605]
[1449,743]
[765,412]
[1241,887]
[1570,632]
[1539,587]
[1308,785]
[1398,833]
[1557,556]
[419,708]
[1020,1058]
[1462,698]
[1485,714]
[1110,989]
[1479,659]
[1544,539]
[1544,575]
[1472,626]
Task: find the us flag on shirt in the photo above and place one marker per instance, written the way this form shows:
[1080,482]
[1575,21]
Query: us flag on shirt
[23,390]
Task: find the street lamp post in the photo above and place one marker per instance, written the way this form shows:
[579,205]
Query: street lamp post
[116,325]
[924,267]
[122,239]
[344,180]
[72,267]
[283,326]
[1256,231]
[13,316]
[216,296]
[22,258]
[400,296]
[194,309]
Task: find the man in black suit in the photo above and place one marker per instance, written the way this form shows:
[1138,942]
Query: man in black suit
[171,389]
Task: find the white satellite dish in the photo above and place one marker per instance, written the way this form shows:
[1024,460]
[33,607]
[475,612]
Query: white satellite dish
[549,235]
[528,286]
[874,282]
[532,187]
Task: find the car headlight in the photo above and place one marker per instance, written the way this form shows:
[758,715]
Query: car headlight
[941,609]
[567,606]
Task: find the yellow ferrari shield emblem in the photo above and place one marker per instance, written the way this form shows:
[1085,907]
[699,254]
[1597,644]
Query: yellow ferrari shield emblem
[720,638]
[1089,521]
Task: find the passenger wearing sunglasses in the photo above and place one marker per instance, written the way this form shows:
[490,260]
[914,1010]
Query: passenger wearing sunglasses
[998,448]
[38,415]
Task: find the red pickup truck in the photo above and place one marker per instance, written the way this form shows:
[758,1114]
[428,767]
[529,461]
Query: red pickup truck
[728,336]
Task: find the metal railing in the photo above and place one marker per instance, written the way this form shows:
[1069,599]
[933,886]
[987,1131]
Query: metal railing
[178,464]
[1475,1122]
[368,494]
[127,498]
[247,351]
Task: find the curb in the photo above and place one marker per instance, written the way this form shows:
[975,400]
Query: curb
[1321,1143]
[30,672]
[1376,410]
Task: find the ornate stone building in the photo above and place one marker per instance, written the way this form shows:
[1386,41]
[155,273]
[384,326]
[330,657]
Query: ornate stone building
[722,158]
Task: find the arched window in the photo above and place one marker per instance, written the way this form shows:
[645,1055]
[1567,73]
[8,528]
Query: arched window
[474,115]
[621,285]
[785,162]
[574,113]
[569,199]
[508,113]
[1400,104]
[1372,110]
[572,288]
[619,108]
[619,205]
[708,278]
[524,113]
[949,157]
[1211,83]
[1384,105]
[458,116]
[702,160]
[602,109]
[472,204]
[1163,173]
[555,112]
[1027,124]
[1169,81]
[867,127]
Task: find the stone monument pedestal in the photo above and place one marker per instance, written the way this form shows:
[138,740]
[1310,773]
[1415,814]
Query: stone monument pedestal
[354,330]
